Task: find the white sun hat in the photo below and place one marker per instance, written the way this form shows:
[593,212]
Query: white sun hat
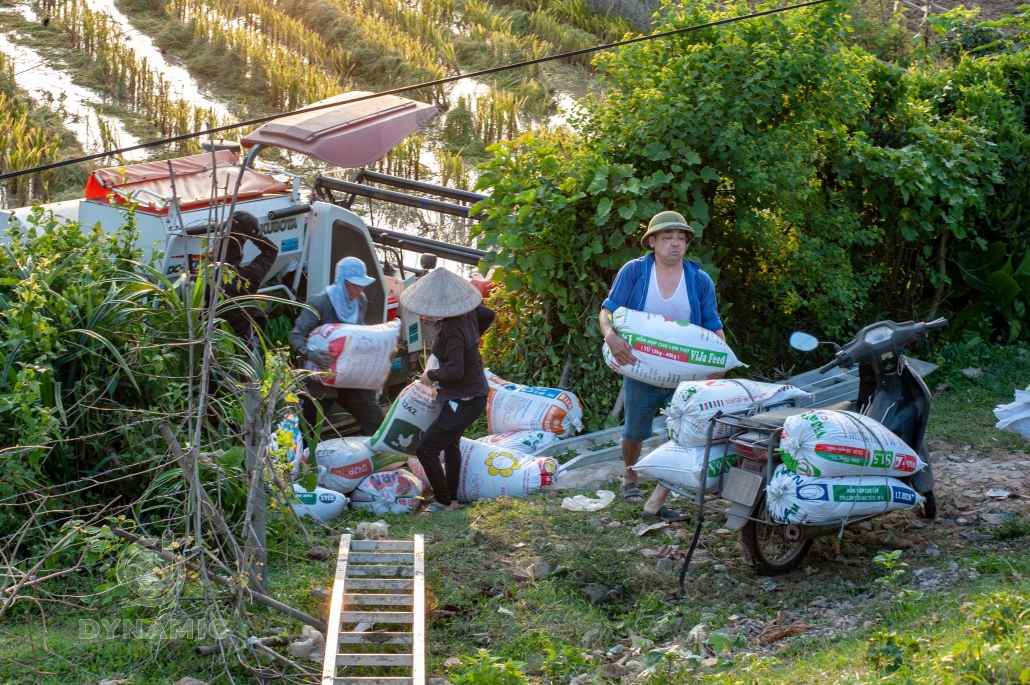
[441,294]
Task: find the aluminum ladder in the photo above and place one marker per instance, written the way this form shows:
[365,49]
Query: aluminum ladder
[378,582]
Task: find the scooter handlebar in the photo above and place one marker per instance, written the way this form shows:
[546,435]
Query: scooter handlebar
[829,365]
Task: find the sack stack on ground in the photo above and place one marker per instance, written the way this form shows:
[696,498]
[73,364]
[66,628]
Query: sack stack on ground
[361,354]
[794,498]
[389,492]
[526,442]
[345,462]
[512,407]
[681,466]
[823,442]
[695,402]
[668,352]
[489,471]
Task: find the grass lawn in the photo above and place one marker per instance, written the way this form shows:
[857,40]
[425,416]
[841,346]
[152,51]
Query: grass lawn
[970,627]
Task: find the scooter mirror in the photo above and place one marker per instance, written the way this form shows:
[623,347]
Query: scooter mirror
[803,341]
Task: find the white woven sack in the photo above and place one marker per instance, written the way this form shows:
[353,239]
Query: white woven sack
[489,472]
[344,462]
[361,354]
[322,505]
[681,466]
[1015,416]
[527,442]
[388,492]
[793,498]
[411,414]
[513,407]
[668,352]
[823,442]
[695,402]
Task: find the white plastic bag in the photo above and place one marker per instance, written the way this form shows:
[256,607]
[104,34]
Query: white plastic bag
[584,503]
[388,492]
[668,352]
[695,402]
[347,461]
[361,354]
[1015,416]
[514,407]
[523,441]
[823,442]
[681,466]
[793,498]
[411,414]
[322,505]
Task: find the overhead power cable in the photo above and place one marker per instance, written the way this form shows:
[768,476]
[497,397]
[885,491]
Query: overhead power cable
[408,89]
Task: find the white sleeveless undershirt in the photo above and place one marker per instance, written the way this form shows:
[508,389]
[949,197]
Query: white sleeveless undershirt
[676,307]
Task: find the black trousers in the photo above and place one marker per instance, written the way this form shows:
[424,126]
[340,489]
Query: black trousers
[445,436]
[361,404]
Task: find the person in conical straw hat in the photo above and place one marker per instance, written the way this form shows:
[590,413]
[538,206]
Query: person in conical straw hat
[460,381]
[665,283]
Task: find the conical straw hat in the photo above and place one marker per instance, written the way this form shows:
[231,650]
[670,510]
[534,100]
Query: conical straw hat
[441,294]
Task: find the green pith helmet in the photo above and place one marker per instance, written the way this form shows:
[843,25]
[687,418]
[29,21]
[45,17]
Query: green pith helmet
[664,221]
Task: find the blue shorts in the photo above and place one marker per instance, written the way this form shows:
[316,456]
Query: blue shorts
[641,402]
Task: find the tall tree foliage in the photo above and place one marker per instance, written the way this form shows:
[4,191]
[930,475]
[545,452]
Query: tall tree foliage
[829,188]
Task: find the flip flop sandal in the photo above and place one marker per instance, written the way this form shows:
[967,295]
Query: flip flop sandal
[436,508]
[666,514]
[631,492]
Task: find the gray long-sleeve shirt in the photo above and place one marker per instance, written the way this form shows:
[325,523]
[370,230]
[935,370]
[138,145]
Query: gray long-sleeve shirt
[309,321]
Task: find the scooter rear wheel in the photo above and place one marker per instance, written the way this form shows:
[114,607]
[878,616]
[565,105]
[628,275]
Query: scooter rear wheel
[771,553]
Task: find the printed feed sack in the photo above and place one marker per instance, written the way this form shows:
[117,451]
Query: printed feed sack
[344,462]
[322,504]
[523,441]
[681,466]
[361,354]
[822,442]
[489,471]
[695,402]
[512,407]
[388,492]
[668,352]
[793,498]
[414,411]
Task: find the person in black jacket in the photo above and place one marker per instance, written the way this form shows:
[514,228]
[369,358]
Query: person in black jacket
[342,302]
[244,281]
[460,380]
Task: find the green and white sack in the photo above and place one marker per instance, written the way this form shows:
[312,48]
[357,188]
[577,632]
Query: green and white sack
[681,466]
[823,442]
[411,414]
[793,498]
[320,504]
[668,352]
[344,462]
[695,402]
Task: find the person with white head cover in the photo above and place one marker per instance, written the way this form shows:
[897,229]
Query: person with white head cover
[342,302]
[460,380]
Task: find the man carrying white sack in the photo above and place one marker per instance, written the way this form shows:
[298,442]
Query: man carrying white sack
[662,283]
[342,302]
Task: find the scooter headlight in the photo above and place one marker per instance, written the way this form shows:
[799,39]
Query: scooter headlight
[878,335]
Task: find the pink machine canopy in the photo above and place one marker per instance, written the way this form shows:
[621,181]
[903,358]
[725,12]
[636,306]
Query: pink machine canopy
[351,135]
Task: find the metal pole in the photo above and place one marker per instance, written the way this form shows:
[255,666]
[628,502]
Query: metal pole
[255,478]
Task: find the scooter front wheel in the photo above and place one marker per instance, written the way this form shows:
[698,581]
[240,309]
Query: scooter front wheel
[771,553]
[929,505]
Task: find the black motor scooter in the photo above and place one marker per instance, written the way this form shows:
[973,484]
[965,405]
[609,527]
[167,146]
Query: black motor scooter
[889,392]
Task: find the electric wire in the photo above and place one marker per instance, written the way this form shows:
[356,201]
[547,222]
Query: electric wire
[408,89]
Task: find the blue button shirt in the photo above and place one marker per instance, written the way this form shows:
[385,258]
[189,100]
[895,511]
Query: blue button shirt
[630,291]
